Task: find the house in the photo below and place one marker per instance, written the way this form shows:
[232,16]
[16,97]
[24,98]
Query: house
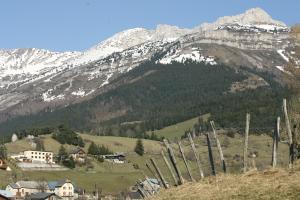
[21,189]
[42,196]
[115,158]
[64,188]
[39,156]
[6,195]
[78,155]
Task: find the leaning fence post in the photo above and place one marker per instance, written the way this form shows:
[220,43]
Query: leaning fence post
[246,142]
[185,161]
[210,156]
[275,142]
[173,161]
[151,171]
[161,177]
[169,167]
[196,155]
[288,127]
[219,146]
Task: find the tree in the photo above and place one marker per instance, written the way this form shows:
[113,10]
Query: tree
[39,144]
[62,154]
[3,151]
[70,163]
[139,147]
[93,149]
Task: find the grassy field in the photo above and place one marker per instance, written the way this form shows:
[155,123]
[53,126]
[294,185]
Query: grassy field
[253,185]
[113,178]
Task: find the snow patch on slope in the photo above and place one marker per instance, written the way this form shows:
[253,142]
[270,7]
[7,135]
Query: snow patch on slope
[181,57]
[281,53]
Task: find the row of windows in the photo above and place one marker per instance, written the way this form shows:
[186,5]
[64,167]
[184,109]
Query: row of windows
[40,153]
[38,157]
[70,188]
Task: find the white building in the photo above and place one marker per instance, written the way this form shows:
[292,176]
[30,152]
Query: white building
[64,189]
[24,188]
[39,156]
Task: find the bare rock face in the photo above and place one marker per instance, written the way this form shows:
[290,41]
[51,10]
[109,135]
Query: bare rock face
[32,80]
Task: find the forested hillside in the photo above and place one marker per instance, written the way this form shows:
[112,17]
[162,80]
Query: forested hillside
[153,96]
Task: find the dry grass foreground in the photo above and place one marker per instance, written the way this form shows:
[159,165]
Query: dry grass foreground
[269,184]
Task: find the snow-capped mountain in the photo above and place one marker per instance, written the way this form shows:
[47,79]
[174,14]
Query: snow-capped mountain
[33,79]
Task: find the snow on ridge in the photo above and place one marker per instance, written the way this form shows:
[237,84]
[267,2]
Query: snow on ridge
[181,57]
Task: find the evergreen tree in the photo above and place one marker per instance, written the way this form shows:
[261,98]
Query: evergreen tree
[139,147]
[93,149]
[70,163]
[62,154]
[3,151]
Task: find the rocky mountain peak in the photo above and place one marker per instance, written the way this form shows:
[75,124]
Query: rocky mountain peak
[253,16]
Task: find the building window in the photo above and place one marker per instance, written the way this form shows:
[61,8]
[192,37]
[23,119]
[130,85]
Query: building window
[64,193]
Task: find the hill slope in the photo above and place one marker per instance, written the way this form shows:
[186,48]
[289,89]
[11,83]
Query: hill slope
[269,184]
[156,95]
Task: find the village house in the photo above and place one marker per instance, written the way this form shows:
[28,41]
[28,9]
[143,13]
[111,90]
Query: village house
[6,195]
[21,189]
[64,189]
[78,155]
[115,158]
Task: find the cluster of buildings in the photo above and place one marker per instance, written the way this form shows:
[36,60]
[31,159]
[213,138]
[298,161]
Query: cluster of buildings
[39,190]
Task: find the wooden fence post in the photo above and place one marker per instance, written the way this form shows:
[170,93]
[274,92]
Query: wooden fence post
[289,131]
[219,146]
[151,171]
[173,161]
[169,167]
[246,142]
[196,155]
[210,156]
[185,161]
[161,177]
[275,143]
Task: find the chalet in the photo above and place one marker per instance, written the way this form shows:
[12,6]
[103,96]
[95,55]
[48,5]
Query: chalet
[6,195]
[43,196]
[78,155]
[115,158]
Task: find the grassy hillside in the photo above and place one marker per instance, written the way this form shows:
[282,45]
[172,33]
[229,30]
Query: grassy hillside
[269,184]
[113,178]
[177,130]
[116,144]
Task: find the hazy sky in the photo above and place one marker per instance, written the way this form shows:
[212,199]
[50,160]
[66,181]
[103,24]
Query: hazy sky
[77,25]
